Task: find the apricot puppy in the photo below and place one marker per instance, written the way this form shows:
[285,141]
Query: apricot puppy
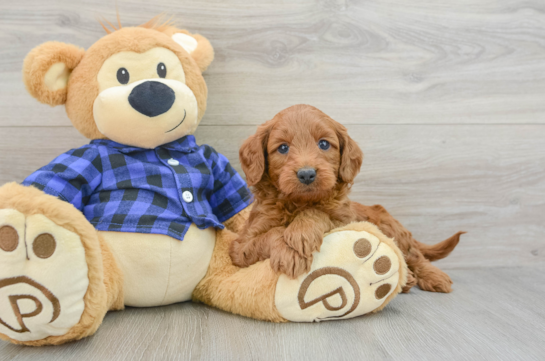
[301,165]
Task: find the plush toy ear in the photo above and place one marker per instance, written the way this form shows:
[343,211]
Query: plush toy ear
[187,42]
[351,156]
[47,68]
[198,47]
[252,154]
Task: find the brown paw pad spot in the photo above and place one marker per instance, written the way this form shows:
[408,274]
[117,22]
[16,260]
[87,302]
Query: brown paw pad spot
[382,265]
[382,291]
[44,245]
[9,239]
[362,248]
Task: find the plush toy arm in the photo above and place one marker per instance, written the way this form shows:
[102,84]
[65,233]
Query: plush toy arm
[230,194]
[72,176]
[236,223]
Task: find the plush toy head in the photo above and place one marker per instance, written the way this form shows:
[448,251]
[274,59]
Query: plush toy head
[139,86]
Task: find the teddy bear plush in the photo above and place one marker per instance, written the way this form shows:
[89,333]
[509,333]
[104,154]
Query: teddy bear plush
[142,215]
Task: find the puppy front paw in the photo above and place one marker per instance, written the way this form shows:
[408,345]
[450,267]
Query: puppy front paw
[288,261]
[243,254]
[303,242]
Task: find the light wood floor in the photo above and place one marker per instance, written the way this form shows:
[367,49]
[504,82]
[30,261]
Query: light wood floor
[447,101]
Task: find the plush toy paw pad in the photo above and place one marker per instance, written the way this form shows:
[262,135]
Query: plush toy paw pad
[44,245]
[9,239]
[362,248]
[43,277]
[382,291]
[353,274]
[382,265]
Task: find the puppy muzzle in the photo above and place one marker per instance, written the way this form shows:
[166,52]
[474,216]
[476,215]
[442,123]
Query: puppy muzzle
[306,175]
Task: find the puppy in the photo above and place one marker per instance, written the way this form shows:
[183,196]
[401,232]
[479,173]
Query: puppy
[301,165]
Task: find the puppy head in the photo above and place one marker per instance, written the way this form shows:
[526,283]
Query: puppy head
[302,152]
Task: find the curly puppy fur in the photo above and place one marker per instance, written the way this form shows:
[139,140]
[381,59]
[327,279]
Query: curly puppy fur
[289,216]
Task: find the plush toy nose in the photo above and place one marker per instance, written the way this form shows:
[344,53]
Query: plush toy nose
[306,175]
[152,98]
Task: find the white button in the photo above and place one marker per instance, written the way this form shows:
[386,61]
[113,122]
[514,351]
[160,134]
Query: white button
[173,162]
[187,196]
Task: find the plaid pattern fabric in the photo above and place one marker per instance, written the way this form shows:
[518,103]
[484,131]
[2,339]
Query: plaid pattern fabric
[129,189]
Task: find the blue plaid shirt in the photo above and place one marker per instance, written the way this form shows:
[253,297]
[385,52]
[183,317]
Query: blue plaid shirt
[161,190]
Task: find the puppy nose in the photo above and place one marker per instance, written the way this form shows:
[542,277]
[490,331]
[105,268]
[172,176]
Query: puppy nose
[306,175]
[152,98]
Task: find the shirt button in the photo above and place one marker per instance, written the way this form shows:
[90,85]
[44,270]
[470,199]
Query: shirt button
[187,196]
[173,162]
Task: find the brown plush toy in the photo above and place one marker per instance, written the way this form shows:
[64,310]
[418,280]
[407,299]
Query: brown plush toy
[143,216]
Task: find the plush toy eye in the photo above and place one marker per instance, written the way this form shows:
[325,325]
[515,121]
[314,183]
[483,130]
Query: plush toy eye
[324,144]
[123,76]
[161,70]
[283,149]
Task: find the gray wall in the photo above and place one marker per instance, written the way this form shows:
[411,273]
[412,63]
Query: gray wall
[446,101]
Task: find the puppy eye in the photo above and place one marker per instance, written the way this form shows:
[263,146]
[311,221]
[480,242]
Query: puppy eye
[123,75]
[324,144]
[161,70]
[283,149]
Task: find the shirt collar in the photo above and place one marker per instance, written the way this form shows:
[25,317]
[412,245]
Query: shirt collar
[185,144]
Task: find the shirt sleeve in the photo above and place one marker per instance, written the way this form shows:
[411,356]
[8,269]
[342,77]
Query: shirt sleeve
[72,176]
[230,194]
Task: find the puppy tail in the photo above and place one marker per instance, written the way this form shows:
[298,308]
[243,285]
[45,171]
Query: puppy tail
[439,250]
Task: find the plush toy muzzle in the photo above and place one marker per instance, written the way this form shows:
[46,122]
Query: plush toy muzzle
[146,113]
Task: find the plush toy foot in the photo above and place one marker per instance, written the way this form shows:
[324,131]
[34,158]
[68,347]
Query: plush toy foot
[358,270]
[43,277]
[57,277]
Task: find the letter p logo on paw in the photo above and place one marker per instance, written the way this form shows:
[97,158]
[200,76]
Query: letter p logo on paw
[328,297]
[9,287]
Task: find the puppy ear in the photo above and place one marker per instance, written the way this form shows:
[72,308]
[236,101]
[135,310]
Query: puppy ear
[351,156]
[47,68]
[252,154]
[197,46]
